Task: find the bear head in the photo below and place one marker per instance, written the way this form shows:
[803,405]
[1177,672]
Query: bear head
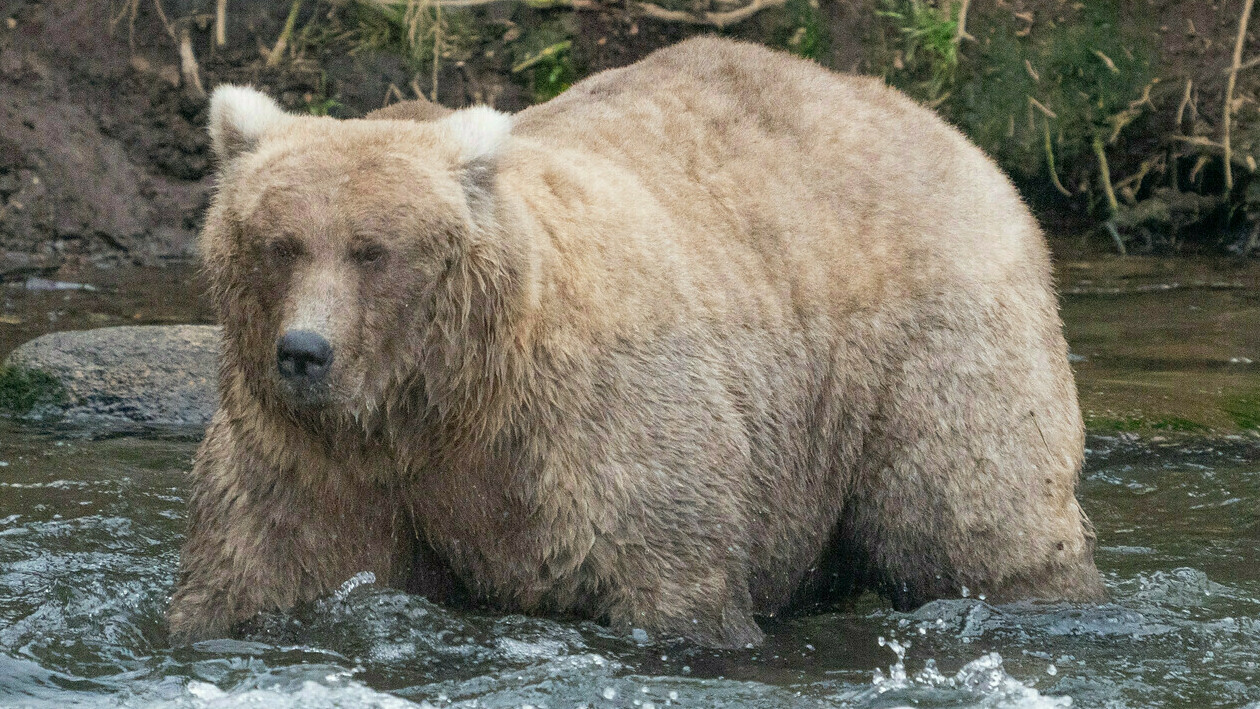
[338,250]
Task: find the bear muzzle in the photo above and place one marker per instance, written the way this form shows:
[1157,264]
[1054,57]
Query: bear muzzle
[303,359]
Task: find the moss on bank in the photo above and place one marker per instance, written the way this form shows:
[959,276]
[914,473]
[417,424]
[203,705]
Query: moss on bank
[23,391]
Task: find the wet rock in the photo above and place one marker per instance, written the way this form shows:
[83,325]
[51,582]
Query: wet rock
[151,375]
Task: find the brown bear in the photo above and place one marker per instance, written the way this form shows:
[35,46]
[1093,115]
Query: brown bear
[716,336]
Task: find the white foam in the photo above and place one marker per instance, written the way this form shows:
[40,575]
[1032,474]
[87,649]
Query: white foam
[983,679]
[307,695]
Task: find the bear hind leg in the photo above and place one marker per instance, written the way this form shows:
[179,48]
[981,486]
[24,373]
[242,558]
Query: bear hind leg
[968,481]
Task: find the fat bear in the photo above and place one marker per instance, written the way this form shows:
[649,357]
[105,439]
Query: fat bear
[716,336]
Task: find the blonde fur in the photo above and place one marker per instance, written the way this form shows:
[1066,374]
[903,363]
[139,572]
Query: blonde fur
[715,336]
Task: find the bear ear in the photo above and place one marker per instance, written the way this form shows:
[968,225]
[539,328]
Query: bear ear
[239,117]
[478,132]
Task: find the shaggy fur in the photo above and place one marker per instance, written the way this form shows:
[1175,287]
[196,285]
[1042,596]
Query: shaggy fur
[718,335]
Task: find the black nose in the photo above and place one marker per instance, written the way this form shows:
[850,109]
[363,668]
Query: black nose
[303,355]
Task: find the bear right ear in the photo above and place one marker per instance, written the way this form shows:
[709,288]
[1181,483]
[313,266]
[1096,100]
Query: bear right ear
[239,117]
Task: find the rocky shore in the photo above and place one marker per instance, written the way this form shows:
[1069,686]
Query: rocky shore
[158,375]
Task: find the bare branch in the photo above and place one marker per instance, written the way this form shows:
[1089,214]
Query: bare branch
[546,52]
[1204,145]
[188,63]
[713,19]
[1229,91]
[961,34]
[1104,174]
[1041,107]
[1111,66]
[575,4]
[220,23]
[170,28]
[1054,172]
[282,42]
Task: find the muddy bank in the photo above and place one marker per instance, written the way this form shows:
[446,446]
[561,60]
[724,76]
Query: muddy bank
[1110,116]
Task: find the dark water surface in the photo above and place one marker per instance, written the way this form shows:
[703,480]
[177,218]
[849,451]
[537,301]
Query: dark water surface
[91,521]
[89,534]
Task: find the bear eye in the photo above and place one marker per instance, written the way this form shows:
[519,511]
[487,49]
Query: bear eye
[368,254]
[284,250]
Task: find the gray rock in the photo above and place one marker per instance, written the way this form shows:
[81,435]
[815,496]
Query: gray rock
[152,375]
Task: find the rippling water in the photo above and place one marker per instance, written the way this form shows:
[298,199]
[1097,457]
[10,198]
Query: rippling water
[89,536]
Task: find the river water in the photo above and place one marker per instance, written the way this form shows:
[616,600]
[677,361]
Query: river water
[91,521]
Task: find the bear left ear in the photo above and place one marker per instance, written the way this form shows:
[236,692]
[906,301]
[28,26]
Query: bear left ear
[239,117]
[478,132]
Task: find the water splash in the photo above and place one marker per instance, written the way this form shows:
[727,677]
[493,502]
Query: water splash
[363,578]
[983,682]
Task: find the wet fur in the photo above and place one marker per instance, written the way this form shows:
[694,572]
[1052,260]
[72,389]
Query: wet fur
[715,336]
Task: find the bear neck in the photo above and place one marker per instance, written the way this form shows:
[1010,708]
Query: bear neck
[474,362]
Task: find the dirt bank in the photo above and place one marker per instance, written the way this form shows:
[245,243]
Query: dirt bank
[104,160]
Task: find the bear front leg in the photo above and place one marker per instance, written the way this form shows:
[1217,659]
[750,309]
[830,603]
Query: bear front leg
[264,538]
[669,592]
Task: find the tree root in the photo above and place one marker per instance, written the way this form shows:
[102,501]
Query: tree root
[1054,173]
[1104,175]
[712,19]
[1229,92]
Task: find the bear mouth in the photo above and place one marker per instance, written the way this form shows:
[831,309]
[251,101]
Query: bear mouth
[306,395]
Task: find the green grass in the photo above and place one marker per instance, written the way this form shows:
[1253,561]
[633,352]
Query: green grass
[1183,425]
[542,58]
[1243,410]
[803,31]
[1087,72]
[928,52]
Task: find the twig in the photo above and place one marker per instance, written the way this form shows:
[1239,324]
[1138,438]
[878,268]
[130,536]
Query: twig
[282,42]
[1210,146]
[437,45]
[1143,170]
[392,91]
[1115,237]
[1197,168]
[1054,173]
[575,4]
[713,19]
[220,23]
[170,28]
[1032,73]
[1254,61]
[1107,60]
[188,63]
[1229,91]
[1100,151]
[1041,107]
[1198,141]
[1145,98]
[129,10]
[551,51]
[961,34]
[936,102]
[1185,101]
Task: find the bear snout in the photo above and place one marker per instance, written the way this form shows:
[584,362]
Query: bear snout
[303,357]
